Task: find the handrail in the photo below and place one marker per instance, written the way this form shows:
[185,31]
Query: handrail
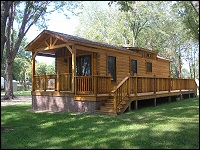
[120,92]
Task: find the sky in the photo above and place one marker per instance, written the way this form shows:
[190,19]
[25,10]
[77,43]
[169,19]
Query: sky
[58,23]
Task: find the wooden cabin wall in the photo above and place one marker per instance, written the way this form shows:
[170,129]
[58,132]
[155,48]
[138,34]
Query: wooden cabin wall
[162,68]
[62,53]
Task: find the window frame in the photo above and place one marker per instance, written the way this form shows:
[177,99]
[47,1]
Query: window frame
[132,66]
[113,67]
[149,68]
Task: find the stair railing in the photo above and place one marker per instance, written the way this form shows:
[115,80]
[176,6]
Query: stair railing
[121,92]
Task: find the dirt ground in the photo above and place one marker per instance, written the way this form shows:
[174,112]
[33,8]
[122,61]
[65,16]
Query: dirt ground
[18,100]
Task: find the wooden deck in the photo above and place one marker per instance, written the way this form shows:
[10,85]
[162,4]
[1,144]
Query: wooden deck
[98,88]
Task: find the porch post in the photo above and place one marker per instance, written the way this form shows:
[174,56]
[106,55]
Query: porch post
[33,71]
[73,68]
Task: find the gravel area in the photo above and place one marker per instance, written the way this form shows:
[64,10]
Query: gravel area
[18,100]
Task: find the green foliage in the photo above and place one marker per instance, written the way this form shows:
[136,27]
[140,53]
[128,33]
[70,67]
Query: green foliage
[187,14]
[169,126]
[43,67]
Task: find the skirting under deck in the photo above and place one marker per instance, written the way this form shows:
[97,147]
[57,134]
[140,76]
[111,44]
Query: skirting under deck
[63,104]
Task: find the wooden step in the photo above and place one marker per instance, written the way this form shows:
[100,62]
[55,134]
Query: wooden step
[123,102]
[106,108]
[110,101]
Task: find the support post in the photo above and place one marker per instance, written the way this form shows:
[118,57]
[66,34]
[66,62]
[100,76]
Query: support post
[73,68]
[33,73]
[181,97]
[169,99]
[136,104]
[154,102]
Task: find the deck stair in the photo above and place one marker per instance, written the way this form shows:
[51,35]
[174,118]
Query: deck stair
[107,108]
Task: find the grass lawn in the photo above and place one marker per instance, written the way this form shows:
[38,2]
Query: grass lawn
[173,125]
[19,93]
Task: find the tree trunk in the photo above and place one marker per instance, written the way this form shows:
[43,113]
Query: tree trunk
[9,83]
[5,7]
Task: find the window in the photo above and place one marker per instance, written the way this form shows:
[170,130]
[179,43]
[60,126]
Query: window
[149,67]
[112,67]
[134,67]
[149,55]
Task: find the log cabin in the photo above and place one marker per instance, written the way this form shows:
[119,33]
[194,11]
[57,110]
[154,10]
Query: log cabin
[95,77]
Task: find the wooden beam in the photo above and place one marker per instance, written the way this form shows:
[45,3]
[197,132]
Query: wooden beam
[52,47]
[35,53]
[55,42]
[47,44]
[69,48]
[42,42]
[50,41]
[46,55]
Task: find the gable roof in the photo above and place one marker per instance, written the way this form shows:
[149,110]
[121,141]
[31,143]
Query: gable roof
[76,39]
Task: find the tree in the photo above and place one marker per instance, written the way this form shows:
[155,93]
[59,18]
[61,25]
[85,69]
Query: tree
[190,19]
[44,68]
[26,14]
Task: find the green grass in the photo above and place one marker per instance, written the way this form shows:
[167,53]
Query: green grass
[19,93]
[173,125]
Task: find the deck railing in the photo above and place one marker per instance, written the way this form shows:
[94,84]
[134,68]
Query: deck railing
[134,85]
[56,82]
[95,84]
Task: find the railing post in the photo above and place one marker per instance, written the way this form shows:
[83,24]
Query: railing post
[169,84]
[135,75]
[155,84]
[95,85]
[129,83]
[109,83]
[58,81]
[115,101]
[45,81]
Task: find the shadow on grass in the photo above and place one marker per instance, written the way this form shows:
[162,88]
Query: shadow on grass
[174,125]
